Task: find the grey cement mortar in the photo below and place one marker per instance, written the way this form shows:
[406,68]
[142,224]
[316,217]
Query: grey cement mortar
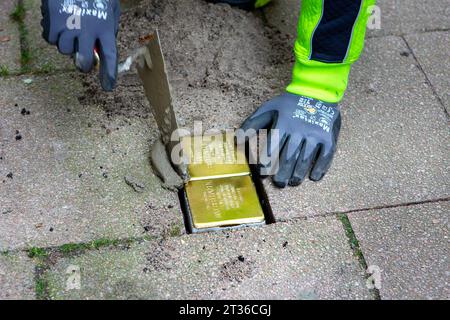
[432,51]
[64,180]
[9,50]
[162,167]
[410,246]
[16,277]
[400,17]
[302,260]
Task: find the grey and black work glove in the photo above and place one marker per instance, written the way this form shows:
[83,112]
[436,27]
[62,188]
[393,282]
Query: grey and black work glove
[78,27]
[308,134]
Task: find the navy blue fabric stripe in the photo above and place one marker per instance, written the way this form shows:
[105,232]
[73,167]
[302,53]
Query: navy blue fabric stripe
[334,32]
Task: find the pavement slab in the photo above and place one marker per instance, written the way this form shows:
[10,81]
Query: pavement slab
[16,277]
[9,38]
[65,169]
[432,51]
[393,145]
[397,17]
[306,259]
[44,57]
[410,248]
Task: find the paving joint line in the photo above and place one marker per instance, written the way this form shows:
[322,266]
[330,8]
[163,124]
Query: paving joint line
[37,73]
[357,252]
[95,244]
[419,65]
[44,258]
[401,34]
[381,207]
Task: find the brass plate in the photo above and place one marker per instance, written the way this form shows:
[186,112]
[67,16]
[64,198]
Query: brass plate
[214,156]
[153,74]
[224,202]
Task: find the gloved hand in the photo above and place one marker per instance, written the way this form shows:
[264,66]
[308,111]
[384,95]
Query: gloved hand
[308,135]
[76,27]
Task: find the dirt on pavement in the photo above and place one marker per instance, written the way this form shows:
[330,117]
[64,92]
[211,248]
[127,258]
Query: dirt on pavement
[222,62]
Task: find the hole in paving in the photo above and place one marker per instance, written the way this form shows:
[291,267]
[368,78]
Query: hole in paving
[222,194]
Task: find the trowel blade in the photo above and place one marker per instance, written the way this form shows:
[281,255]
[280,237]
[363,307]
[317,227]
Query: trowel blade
[153,73]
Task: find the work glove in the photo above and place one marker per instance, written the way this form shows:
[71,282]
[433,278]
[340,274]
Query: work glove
[307,139]
[78,27]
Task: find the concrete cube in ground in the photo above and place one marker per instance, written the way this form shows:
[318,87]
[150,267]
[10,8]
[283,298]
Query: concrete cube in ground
[67,172]
[432,51]
[16,277]
[392,145]
[409,246]
[300,260]
[9,39]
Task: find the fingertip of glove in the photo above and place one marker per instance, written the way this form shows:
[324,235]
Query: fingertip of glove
[108,83]
[279,184]
[84,63]
[316,177]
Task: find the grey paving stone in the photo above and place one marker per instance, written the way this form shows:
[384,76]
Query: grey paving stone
[397,17]
[392,146]
[43,56]
[16,277]
[431,49]
[302,260]
[9,38]
[410,245]
[405,17]
[63,169]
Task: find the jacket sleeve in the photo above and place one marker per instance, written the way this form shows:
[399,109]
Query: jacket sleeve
[330,39]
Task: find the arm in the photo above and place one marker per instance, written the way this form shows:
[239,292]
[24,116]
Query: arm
[307,117]
[330,39]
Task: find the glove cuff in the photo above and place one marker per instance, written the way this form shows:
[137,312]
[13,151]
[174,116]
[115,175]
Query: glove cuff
[322,81]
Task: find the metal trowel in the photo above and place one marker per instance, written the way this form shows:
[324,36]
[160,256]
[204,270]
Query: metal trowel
[152,71]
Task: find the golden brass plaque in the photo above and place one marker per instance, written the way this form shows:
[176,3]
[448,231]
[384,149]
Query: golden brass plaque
[223,202]
[214,156]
